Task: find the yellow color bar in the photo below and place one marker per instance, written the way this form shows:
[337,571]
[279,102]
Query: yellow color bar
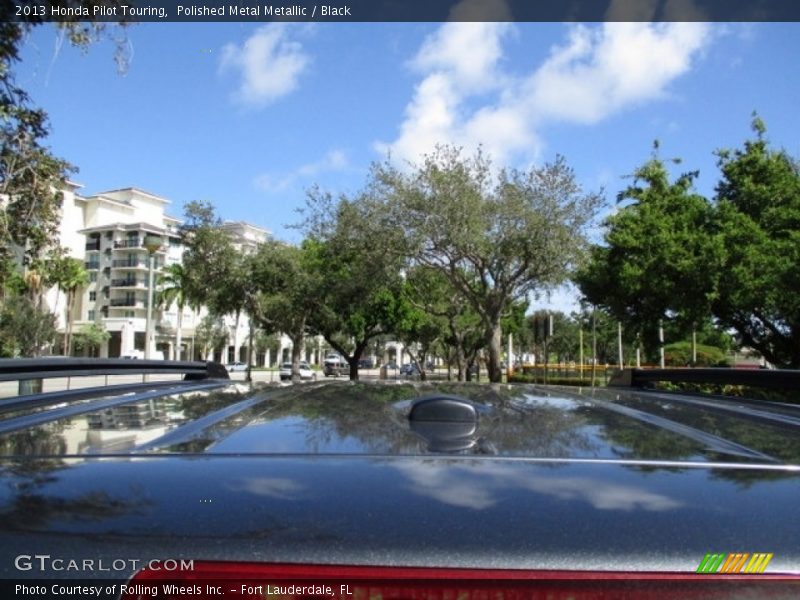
[763,566]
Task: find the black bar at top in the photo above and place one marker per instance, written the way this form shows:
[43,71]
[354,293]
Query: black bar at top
[33,11]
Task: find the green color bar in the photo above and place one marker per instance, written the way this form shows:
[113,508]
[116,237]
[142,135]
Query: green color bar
[711,563]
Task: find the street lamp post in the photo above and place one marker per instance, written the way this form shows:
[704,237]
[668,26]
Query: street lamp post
[152,244]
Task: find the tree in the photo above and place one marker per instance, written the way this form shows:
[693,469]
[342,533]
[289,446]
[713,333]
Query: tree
[266,341]
[70,276]
[418,319]
[31,178]
[563,344]
[286,293]
[91,337]
[211,335]
[210,258]
[175,285]
[659,261]
[356,278]
[758,220]
[217,274]
[25,329]
[496,236]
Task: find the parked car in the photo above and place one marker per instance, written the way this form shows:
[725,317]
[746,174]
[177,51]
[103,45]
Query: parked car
[397,489]
[409,370]
[304,369]
[366,363]
[236,367]
[335,365]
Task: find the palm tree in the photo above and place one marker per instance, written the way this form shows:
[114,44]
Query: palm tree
[70,276]
[174,282]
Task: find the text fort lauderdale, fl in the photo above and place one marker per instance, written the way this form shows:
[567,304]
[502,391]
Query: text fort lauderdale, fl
[264,11]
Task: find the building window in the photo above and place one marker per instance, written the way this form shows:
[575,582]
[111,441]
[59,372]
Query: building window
[91,315]
[129,314]
[92,298]
[109,235]
[93,276]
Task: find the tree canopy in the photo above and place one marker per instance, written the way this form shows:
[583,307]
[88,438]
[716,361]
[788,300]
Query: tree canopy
[758,223]
[497,236]
[659,261]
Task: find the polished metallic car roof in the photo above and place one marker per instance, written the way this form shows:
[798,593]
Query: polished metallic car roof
[338,473]
[373,419]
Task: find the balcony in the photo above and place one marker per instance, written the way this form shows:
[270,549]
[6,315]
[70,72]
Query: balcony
[92,265]
[129,243]
[95,245]
[129,282]
[130,264]
[127,303]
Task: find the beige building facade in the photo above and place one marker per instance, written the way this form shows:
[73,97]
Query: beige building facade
[107,232]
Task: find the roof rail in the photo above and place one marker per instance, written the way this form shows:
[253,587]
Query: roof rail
[19,369]
[762,378]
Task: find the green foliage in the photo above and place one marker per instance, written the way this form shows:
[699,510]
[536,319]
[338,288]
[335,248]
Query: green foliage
[263,341]
[70,276]
[215,274]
[25,330]
[679,354]
[415,318]
[211,334]
[495,237]
[90,338]
[174,287]
[672,256]
[285,286]
[758,220]
[356,273]
[659,262]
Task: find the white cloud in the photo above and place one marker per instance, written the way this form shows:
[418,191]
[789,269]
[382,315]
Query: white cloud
[458,61]
[466,98]
[269,62]
[599,72]
[467,53]
[335,160]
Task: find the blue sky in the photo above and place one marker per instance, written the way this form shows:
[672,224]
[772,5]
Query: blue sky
[249,116]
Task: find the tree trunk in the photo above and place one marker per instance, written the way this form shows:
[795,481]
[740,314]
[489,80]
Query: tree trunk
[297,349]
[352,362]
[419,360]
[68,329]
[178,339]
[236,336]
[495,344]
[249,374]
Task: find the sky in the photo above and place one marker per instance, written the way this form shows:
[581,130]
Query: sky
[249,116]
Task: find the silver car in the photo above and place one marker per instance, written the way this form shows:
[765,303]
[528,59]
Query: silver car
[305,371]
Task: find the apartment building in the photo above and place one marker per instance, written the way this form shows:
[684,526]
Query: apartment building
[113,233]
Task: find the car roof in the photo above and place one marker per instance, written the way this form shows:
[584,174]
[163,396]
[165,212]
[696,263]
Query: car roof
[523,421]
[437,472]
